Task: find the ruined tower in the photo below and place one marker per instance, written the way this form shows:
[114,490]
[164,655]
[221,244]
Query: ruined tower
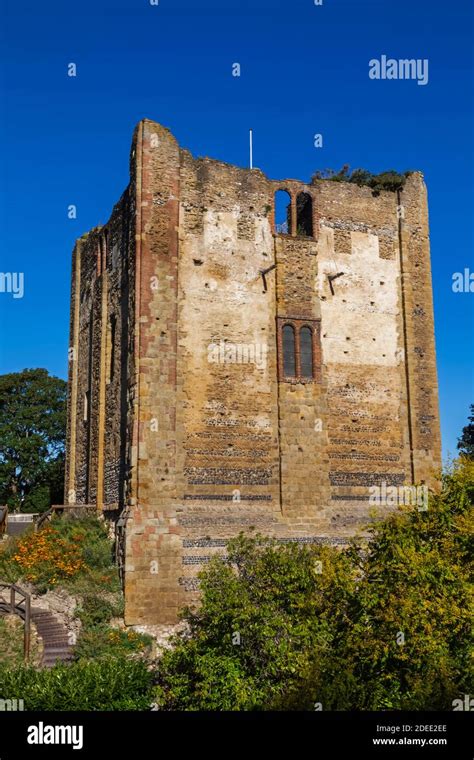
[230,374]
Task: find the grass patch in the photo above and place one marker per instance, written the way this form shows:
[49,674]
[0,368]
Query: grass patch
[11,642]
[98,639]
[102,642]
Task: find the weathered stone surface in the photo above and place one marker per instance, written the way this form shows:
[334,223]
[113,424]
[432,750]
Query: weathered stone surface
[180,417]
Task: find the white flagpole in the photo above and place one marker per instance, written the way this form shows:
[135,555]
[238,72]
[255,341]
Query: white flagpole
[251,149]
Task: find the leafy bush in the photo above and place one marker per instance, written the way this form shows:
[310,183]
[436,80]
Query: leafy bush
[96,609]
[45,557]
[404,641]
[97,639]
[73,552]
[388,180]
[113,684]
[263,619]
[386,624]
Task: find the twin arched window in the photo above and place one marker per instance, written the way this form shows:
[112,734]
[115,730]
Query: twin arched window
[284,207]
[300,355]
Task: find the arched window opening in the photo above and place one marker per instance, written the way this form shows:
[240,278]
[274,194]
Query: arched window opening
[299,350]
[306,352]
[283,212]
[289,357]
[304,215]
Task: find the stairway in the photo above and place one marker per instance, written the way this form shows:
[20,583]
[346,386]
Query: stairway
[54,635]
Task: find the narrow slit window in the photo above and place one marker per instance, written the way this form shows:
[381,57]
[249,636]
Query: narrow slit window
[289,358]
[113,327]
[99,259]
[306,352]
[103,253]
[111,347]
[86,405]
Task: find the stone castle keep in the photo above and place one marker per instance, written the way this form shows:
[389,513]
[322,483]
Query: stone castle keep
[227,373]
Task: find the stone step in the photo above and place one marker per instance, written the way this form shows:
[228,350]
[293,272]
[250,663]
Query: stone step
[57,657]
[56,646]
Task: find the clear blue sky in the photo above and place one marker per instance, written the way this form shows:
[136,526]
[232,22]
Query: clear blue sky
[304,69]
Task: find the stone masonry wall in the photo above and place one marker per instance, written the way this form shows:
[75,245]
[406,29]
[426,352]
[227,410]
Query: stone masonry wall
[99,365]
[194,432]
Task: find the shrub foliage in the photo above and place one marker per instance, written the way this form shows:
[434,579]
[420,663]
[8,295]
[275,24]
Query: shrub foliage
[383,624]
[113,684]
[73,552]
[389,180]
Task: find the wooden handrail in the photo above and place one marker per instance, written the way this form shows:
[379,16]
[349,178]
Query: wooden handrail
[22,608]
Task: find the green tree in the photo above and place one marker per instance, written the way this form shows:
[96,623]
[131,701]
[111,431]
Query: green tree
[383,624]
[404,641]
[466,440]
[32,438]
